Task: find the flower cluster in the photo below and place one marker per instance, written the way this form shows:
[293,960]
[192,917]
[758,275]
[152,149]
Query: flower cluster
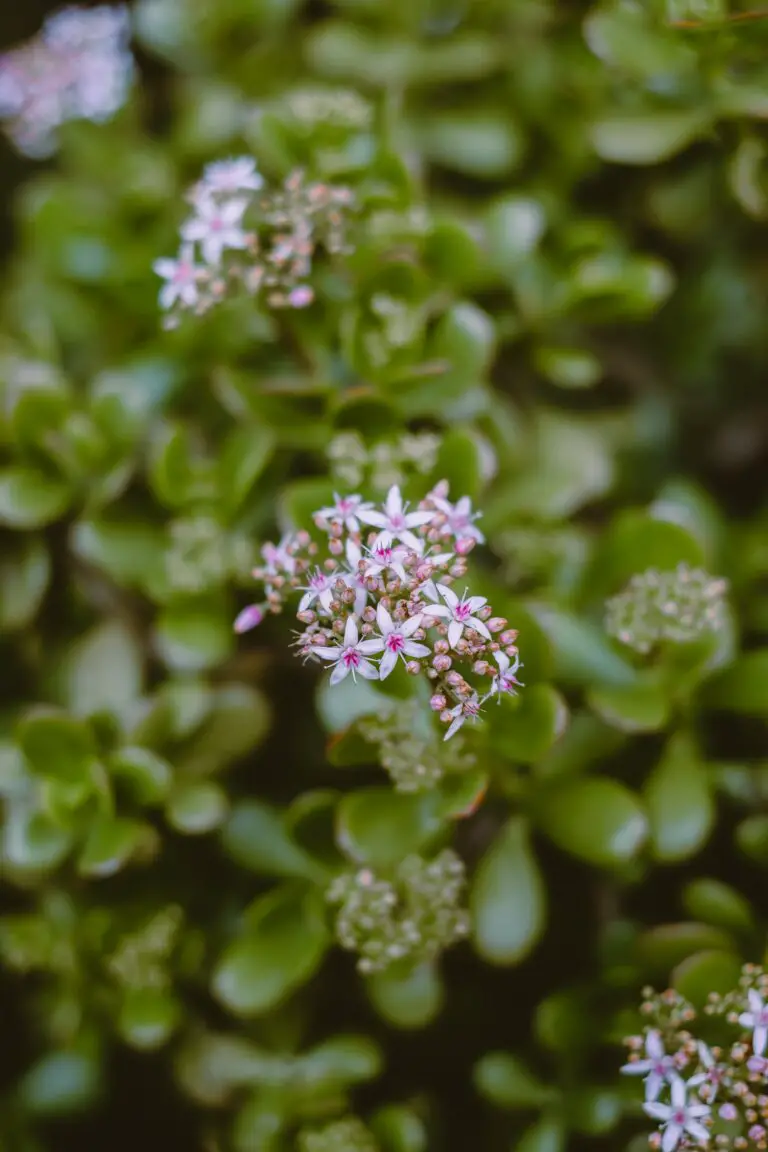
[407,748]
[674,607]
[79,67]
[700,1094]
[349,1134]
[240,237]
[385,463]
[140,959]
[381,598]
[413,916]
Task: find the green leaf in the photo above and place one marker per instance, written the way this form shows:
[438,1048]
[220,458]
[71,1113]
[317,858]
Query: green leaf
[109,846]
[679,802]
[513,227]
[568,367]
[193,637]
[508,898]
[148,1017]
[399,1129]
[504,1080]
[634,543]
[742,687]
[703,973]
[752,838]
[104,671]
[586,742]
[244,456]
[646,138]
[530,725]
[255,837]
[379,827]
[62,1083]
[594,1111]
[341,1062]
[57,746]
[546,1135]
[643,706]
[582,653]
[146,776]
[598,820]
[407,998]
[237,720]
[714,902]
[25,571]
[487,145]
[132,552]
[31,499]
[33,842]
[664,947]
[281,946]
[196,807]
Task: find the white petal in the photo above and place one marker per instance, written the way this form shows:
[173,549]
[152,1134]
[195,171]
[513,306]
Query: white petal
[755,1000]
[653,1086]
[326,653]
[411,648]
[326,598]
[388,662]
[411,625]
[653,1044]
[477,602]
[351,635]
[660,1112]
[384,620]
[448,595]
[306,600]
[454,727]
[168,295]
[165,267]
[455,630]
[394,503]
[637,1068]
[671,1137]
[698,1110]
[698,1131]
[747,1020]
[412,541]
[478,626]
[503,662]
[368,670]
[340,671]
[436,610]
[371,646]
[679,1093]
[371,516]
[416,519]
[759,1038]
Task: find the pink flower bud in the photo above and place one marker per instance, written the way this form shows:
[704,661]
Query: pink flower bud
[465,545]
[335,547]
[438,703]
[445,717]
[250,617]
[509,636]
[301,297]
[728,1112]
[441,663]
[307,617]
[496,624]
[413,667]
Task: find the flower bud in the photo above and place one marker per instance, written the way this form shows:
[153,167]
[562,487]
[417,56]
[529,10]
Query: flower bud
[508,637]
[413,667]
[306,617]
[442,663]
[438,703]
[496,623]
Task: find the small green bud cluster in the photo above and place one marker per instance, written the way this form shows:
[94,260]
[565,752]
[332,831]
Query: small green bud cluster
[203,556]
[140,960]
[408,749]
[346,1135]
[676,607]
[414,916]
[385,463]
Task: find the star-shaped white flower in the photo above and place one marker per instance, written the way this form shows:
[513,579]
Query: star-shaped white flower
[505,680]
[396,520]
[320,588]
[345,510]
[278,559]
[712,1074]
[757,1019]
[459,613]
[216,226]
[467,710]
[396,640]
[230,176]
[460,518]
[682,1116]
[384,558]
[658,1068]
[350,655]
[182,278]
[355,577]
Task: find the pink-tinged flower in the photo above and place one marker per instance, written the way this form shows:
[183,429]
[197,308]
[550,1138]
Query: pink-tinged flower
[397,520]
[345,510]
[460,519]
[384,558]
[679,1118]
[182,277]
[757,1019]
[350,656]
[250,617]
[460,613]
[658,1068]
[504,680]
[230,176]
[467,710]
[713,1072]
[279,561]
[396,640]
[320,588]
[355,577]
[216,226]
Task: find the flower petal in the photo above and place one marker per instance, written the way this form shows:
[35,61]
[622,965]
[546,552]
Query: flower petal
[660,1112]
[411,648]
[671,1137]
[371,646]
[411,625]
[388,662]
[455,630]
[351,635]
[339,672]
[368,670]
[384,620]
[448,595]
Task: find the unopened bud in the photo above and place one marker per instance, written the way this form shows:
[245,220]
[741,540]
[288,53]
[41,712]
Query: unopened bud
[307,617]
[465,545]
[335,547]
[509,636]
[438,702]
[445,717]
[441,663]
[442,647]
[496,623]
[413,667]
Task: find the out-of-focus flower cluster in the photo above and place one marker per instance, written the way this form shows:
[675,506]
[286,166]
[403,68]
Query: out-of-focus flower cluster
[373,599]
[385,463]
[413,915]
[79,67]
[407,748]
[241,237]
[700,1094]
[674,607]
[349,1134]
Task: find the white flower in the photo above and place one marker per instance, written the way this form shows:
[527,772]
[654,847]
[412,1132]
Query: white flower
[460,613]
[396,520]
[396,640]
[320,588]
[712,1074]
[467,710]
[504,680]
[384,557]
[658,1068]
[460,518]
[181,276]
[680,1117]
[756,1018]
[216,226]
[230,176]
[355,576]
[346,510]
[350,656]
[278,559]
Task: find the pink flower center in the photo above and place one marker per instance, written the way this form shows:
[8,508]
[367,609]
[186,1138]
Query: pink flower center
[397,521]
[350,658]
[383,555]
[395,642]
[345,506]
[462,612]
[217,224]
[679,1117]
[184,272]
[761,1018]
[319,582]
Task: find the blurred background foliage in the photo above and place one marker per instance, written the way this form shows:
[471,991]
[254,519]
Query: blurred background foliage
[556,301]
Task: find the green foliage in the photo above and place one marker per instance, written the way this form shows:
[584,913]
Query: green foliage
[545,287]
